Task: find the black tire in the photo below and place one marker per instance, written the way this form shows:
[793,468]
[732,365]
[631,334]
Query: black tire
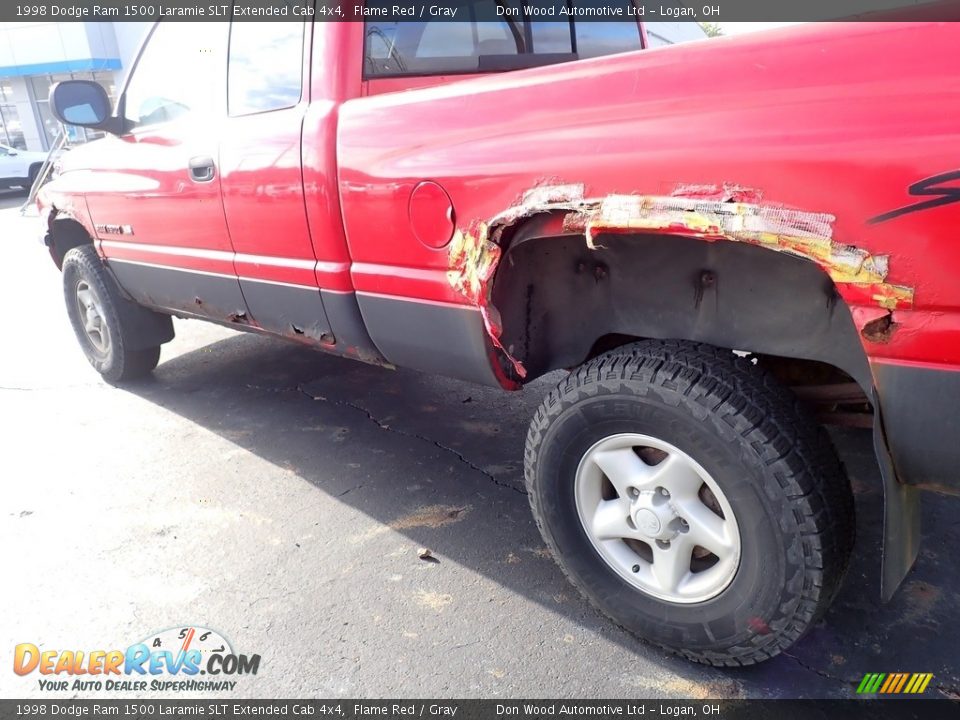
[118,359]
[777,467]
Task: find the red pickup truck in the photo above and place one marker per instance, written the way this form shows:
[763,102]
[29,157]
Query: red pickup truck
[727,243]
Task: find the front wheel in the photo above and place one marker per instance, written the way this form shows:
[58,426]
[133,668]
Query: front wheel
[686,494]
[96,310]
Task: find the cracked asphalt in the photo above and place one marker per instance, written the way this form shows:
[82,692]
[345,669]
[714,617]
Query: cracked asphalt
[282,497]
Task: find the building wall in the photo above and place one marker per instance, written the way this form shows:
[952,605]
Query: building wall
[129,35]
[16,95]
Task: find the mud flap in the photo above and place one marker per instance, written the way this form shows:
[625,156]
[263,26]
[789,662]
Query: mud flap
[901,518]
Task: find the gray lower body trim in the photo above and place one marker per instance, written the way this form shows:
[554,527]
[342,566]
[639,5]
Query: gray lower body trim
[197,294]
[350,332]
[289,310]
[330,321]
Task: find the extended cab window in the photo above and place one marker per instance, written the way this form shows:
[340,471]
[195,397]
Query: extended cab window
[265,67]
[481,45]
[179,72]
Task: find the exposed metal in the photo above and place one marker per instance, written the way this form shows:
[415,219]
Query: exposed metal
[707,212]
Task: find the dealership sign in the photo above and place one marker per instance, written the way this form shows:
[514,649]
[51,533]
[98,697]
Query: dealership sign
[170,660]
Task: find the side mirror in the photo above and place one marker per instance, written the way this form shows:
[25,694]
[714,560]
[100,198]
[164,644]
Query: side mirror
[12,153]
[83,103]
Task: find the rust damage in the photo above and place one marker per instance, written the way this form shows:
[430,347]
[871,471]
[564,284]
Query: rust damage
[475,252]
[880,330]
[708,212]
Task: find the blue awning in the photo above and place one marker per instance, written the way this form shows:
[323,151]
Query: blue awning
[61,66]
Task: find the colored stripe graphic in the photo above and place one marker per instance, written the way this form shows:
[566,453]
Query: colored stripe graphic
[894,683]
[900,683]
[890,681]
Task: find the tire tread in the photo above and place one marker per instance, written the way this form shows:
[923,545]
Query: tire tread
[762,415]
[125,363]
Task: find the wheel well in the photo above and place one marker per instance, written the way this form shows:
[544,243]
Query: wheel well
[66,234]
[557,301]
[561,302]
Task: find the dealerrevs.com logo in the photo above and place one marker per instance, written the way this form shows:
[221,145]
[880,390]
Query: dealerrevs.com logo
[179,659]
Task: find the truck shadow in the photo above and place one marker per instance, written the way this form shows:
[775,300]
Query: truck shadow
[441,462]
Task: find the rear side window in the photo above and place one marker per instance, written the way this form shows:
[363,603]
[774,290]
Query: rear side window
[265,66]
[481,45]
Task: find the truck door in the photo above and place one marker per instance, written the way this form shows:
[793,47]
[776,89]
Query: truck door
[154,196]
[263,195]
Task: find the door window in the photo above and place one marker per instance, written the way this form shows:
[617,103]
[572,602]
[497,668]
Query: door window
[180,72]
[265,67]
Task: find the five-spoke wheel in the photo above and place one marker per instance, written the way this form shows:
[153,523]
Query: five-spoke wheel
[90,307]
[691,499]
[120,338]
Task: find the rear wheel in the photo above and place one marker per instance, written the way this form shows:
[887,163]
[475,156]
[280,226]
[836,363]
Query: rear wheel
[686,494]
[94,305]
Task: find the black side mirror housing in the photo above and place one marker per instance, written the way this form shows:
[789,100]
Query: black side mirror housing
[83,103]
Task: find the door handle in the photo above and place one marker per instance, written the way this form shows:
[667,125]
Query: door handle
[202,168]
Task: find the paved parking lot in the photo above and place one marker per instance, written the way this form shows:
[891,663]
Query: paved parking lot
[280,496]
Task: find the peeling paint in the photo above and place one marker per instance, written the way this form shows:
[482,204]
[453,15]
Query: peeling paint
[723,193]
[473,260]
[474,253]
[709,212]
[541,199]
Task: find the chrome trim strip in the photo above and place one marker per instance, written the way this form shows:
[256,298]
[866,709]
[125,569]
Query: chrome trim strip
[422,301]
[158,266]
[325,266]
[209,273]
[222,255]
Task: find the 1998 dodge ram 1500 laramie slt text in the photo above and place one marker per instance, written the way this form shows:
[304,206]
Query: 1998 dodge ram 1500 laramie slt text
[727,242]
